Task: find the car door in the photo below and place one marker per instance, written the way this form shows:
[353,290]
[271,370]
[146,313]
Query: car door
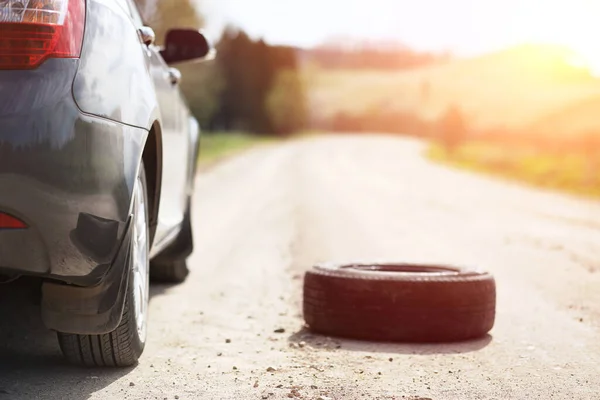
[173,198]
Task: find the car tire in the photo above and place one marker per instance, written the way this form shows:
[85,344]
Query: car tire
[171,266]
[175,271]
[123,346]
[399,303]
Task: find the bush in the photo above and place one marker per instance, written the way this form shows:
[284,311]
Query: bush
[452,129]
[286,103]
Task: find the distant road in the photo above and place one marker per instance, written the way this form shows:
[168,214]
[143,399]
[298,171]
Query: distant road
[266,216]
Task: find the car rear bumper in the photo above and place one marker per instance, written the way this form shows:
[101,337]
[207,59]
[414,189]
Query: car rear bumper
[67,175]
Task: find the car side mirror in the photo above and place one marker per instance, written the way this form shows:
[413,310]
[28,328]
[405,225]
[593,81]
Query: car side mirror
[185,45]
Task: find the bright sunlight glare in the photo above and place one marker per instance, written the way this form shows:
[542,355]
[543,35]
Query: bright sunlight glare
[465,27]
[572,24]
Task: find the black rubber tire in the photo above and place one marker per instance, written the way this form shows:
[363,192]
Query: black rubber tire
[399,303]
[120,348]
[174,271]
[170,266]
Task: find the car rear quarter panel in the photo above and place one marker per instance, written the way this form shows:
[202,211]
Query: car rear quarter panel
[59,166]
[113,79]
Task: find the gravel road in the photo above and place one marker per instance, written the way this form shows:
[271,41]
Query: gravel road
[234,330]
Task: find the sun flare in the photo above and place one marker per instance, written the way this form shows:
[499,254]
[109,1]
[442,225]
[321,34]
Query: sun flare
[573,25]
[586,59]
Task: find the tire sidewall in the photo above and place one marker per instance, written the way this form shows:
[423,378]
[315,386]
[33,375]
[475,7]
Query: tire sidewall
[137,343]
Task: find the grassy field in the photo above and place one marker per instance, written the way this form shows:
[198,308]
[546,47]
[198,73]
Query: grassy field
[528,87]
[572,173]
[215,146]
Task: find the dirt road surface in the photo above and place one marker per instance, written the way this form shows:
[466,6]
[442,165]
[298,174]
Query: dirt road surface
[266,216]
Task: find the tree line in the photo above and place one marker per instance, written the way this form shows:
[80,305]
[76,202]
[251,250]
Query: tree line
[256,87]
[369,56]
[251,86]
[261,87]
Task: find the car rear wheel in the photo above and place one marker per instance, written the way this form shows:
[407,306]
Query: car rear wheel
[123,346]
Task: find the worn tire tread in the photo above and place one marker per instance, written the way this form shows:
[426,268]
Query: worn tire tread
[114,349]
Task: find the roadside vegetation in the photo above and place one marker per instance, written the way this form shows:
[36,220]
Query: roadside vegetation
[216,146]
[528,88]
[251,93]
[528,113]
[572,173]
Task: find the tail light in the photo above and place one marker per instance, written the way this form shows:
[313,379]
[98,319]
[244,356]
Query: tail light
[32,31]
[9,222]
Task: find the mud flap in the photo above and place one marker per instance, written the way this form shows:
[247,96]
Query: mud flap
[91,310]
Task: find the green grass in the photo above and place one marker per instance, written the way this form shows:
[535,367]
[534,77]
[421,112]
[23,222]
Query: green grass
[571,173]
[214,146]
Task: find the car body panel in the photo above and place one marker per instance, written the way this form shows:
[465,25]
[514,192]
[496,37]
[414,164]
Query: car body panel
[175,139]
[112,80]
[130,83]
[73,134]
[194,153]
[57,166]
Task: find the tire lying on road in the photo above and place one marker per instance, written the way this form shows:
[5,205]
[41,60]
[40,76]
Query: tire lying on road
[399,303]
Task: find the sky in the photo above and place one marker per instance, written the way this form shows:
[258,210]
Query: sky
[462,26]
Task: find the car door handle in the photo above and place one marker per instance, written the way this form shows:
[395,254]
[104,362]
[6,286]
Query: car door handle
[147,35]
[174,76]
